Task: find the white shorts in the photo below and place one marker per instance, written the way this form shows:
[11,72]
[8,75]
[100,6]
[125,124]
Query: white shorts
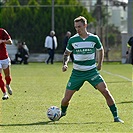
[4,63]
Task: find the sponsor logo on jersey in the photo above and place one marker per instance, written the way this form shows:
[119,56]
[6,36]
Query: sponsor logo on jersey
[85,50]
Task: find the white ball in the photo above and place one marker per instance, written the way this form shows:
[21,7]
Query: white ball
[53,113]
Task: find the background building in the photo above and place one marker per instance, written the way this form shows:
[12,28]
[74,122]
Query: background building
[120,15]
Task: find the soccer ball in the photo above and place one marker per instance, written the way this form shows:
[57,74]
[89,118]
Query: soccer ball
[54,113]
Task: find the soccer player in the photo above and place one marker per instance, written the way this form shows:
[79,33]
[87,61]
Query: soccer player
[84,46]
[5,63]
[130,49]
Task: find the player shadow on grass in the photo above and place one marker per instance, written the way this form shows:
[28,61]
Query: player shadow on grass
[117,82]
[125,102]
[28,124]
[51,123]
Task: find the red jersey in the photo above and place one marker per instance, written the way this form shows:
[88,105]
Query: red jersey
[3,36]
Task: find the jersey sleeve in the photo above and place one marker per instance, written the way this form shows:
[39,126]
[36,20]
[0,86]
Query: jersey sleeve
[69,45]
[6,36]
[99,45]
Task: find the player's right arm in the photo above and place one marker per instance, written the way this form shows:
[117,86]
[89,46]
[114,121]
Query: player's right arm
[9,41]
[66,57]
[6,39]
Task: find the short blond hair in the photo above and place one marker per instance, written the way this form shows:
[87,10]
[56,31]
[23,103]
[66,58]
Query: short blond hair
[82,19]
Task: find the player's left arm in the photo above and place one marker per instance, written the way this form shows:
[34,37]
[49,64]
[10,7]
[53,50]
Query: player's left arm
[100,58]
[100,50]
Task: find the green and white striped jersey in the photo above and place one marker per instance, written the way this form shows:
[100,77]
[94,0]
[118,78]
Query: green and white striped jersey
[84,51]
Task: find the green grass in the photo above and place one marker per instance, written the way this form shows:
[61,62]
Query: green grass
[37,86]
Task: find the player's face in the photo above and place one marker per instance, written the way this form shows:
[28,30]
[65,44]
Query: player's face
[80,27]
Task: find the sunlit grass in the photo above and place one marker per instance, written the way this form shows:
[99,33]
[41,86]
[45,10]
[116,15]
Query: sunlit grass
[37,86]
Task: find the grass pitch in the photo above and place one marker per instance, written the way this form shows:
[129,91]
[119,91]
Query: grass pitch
[38,86]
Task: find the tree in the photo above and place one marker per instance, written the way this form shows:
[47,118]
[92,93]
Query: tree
[32,22]
[8,16]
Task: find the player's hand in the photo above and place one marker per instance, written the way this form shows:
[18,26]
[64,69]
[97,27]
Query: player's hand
[64,68]
[99,67]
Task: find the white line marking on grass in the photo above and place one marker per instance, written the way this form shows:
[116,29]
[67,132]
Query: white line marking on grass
[117,75]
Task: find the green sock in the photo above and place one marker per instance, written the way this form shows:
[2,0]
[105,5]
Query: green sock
[114,111]
[64,109]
